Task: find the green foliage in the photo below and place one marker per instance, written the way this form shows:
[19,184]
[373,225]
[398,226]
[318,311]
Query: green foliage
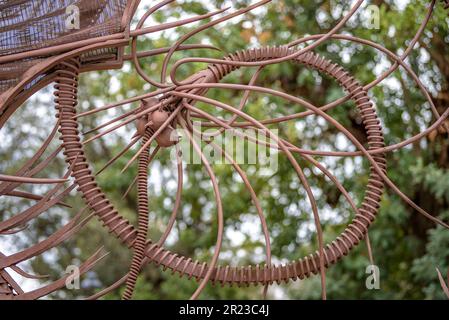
[406,247]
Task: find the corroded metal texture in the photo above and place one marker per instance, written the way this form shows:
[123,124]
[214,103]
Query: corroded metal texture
[172,106]
[33,26]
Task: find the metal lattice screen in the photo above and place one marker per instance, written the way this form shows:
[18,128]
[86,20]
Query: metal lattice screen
[31,25]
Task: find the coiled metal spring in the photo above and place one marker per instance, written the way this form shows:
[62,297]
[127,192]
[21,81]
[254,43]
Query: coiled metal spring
[66,100]
[244,275]
[142,199]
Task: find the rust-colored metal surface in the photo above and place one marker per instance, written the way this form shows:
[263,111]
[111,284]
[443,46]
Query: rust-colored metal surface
[40,26]
[26,67]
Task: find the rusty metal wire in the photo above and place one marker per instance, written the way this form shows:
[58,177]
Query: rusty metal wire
[172,106]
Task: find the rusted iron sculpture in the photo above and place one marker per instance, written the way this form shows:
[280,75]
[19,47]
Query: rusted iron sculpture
[29,61]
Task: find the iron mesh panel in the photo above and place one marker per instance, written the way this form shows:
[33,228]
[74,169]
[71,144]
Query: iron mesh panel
[27,25]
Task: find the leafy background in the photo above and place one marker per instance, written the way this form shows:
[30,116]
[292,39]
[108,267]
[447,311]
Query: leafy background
[406,247]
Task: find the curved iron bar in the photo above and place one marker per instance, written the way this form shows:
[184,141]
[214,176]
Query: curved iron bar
[177,101]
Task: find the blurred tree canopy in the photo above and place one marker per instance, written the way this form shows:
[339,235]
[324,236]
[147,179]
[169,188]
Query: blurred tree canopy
[406,247]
